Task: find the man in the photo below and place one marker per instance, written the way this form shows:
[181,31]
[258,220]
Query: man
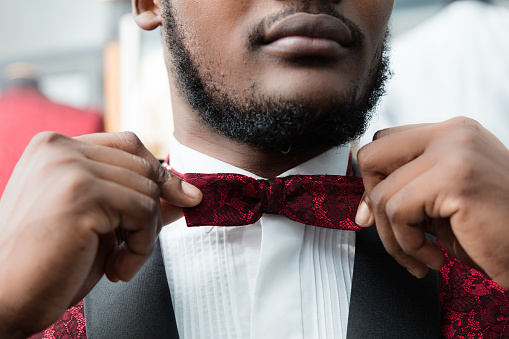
[463,69]
[265,89]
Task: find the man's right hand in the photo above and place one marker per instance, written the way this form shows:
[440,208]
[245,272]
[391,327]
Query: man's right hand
[73,210]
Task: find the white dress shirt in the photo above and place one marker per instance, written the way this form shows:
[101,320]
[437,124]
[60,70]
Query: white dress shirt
[274,279]
[454,64]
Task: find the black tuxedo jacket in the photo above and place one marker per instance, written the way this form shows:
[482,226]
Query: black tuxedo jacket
[386,301]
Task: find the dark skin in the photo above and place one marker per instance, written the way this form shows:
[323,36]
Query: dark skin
[450,180]
[221,36]
[84,192]
[77,194]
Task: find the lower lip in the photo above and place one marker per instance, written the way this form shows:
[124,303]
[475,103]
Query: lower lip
[298,46]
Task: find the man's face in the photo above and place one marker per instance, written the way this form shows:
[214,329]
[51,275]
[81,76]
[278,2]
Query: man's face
[275,73]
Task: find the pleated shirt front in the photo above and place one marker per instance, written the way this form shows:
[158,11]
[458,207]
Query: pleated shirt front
[273,279]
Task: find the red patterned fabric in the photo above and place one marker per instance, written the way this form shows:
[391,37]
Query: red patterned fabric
[234,200]
[472,305]
[70,326]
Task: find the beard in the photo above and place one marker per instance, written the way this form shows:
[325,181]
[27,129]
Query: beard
[271,123]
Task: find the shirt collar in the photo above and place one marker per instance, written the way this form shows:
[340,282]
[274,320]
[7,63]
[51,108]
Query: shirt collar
[187,160]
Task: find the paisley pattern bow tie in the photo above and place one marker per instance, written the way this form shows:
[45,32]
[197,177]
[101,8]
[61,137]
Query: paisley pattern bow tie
[235,200]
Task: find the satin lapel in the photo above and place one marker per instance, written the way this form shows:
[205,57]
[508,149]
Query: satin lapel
[386,300]
[141,308]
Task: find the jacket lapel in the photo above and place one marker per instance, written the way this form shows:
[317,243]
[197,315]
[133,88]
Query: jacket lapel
[386,300]
[141,308]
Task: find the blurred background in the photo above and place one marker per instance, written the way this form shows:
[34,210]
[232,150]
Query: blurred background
[67,41]
[88,54]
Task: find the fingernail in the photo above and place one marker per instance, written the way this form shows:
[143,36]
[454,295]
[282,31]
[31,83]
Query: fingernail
[363,214]
[190,190]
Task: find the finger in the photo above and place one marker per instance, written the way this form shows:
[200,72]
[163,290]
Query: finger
[382,157]
[180,193]
[398,129]
[137,215]
[441,229]
[124,263]
[365,216]
[393,247]
[124,177]
[172,188]
[137,247]
[408,212]
[127,142]
[126,209]
[100,151]
[379,198]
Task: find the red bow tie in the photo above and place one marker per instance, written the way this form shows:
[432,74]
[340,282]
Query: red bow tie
[234,200]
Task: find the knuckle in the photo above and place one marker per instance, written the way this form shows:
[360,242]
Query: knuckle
[153,189]
[66,170]
[461,168]
[364,158]
[466,123]
[90,222]
[141,167]
[379,134]
[79,182]
[466,139]
[401,256]
[464,131]
[394,250]
[131,140]
[44,139]
[378,200]
[47,137]
[460,201]
[413,245]
[149,206]
[394,212]
[397,252]
[76,186]
[145,167]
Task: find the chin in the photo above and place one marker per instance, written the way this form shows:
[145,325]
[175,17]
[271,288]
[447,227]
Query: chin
[310,85]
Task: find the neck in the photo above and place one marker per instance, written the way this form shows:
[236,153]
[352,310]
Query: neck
[268,164]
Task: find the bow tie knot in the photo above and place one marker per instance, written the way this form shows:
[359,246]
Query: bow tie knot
[272,195]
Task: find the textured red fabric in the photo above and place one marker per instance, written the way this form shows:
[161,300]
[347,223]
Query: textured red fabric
[70,326]
[472,305]
[234,200]
[24,112]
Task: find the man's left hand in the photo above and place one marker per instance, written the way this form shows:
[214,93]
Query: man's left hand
[449,179]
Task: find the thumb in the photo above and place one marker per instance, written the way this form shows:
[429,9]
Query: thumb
[365,216]
[178,192]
